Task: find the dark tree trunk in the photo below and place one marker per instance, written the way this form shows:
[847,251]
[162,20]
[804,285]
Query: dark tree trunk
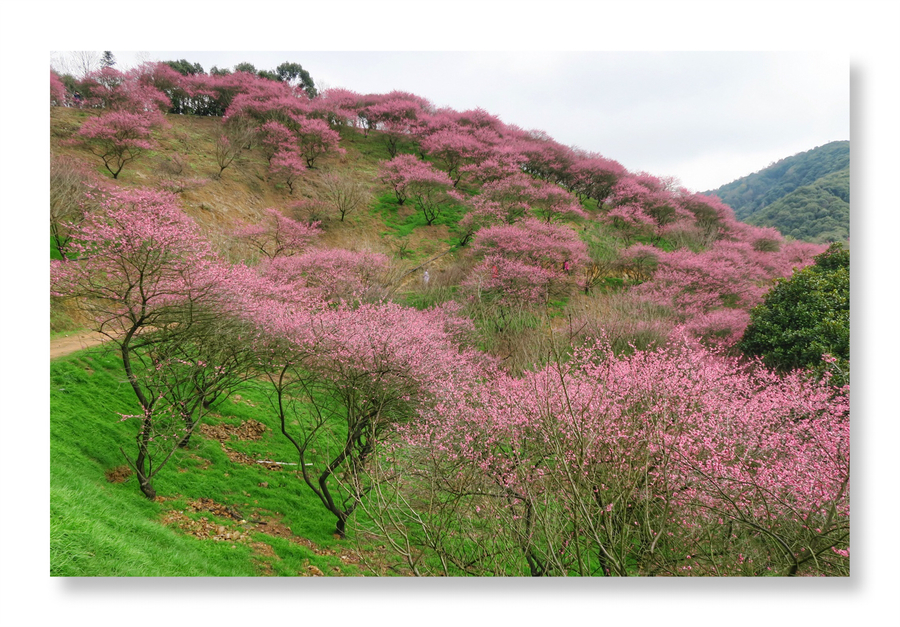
[341,528]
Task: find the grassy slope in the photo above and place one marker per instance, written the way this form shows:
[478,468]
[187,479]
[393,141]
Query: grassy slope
[100,528]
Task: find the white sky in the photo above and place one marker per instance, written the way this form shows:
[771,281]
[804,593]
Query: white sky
[706,118]
[863,31]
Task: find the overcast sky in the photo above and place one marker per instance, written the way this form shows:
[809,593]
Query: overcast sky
[706,118]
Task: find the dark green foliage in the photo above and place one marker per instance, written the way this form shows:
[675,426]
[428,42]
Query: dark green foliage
[185,67]
[295,74]
[817,213]
[805,317]
[70,82]
[108,59]
[751,193]
[245,67]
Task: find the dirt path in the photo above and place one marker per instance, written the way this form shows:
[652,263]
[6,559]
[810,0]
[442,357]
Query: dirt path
[60,346]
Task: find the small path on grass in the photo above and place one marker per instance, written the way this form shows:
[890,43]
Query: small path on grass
[66,344]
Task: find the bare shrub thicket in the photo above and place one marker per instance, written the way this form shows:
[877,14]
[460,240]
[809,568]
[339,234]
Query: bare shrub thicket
[619,318]
[342,193]
[69,180]
[237,136]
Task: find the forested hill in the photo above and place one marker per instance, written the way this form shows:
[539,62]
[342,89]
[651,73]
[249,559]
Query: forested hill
[806,196]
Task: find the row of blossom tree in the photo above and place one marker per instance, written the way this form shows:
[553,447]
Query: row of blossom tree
[509,174]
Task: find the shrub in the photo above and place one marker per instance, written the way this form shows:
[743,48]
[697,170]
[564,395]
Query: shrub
[806,317]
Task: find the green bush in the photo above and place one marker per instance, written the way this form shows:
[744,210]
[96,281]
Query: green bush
[805,317]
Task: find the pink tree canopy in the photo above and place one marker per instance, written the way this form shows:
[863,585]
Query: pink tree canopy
[277,235]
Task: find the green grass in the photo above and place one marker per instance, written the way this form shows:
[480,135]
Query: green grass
[653,240]
[99,528]
[424,299]
[54,250]
[373,147]
[401,221]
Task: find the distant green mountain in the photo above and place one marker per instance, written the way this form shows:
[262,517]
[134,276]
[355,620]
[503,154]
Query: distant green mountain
[806,196]
[818,213]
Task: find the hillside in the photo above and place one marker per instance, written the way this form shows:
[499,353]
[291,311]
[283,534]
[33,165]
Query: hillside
[819,213]
[357,334]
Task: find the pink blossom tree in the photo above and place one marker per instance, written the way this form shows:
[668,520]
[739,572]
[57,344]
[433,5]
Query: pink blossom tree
[353,374]
[535,242]
[144,278]
[168,82]
[214,94]
[552,202]
[412,178]
[274,137]
[730,275]
[396,113]
[57,90]
[668,462]
[337,106]
[107,88]
[118,137]
[453,148]
[595,177]
[642,204]
[277,235]
[713,217]
[287,166]
[501,201]
[314,138]
[512,284]
[396,119]
[546,158]
[332,274]
[522,265]
[501,162]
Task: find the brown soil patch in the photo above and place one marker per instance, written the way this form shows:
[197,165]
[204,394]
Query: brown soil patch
[204,529]
[310,571]
[240,530]
[247,430]
[263,549]
[120,474]
[240,458]
[365,562]
[60,346]
[209,505]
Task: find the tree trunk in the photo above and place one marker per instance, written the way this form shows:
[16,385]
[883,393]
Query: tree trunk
[139,467]
[147,488]
[341,528]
